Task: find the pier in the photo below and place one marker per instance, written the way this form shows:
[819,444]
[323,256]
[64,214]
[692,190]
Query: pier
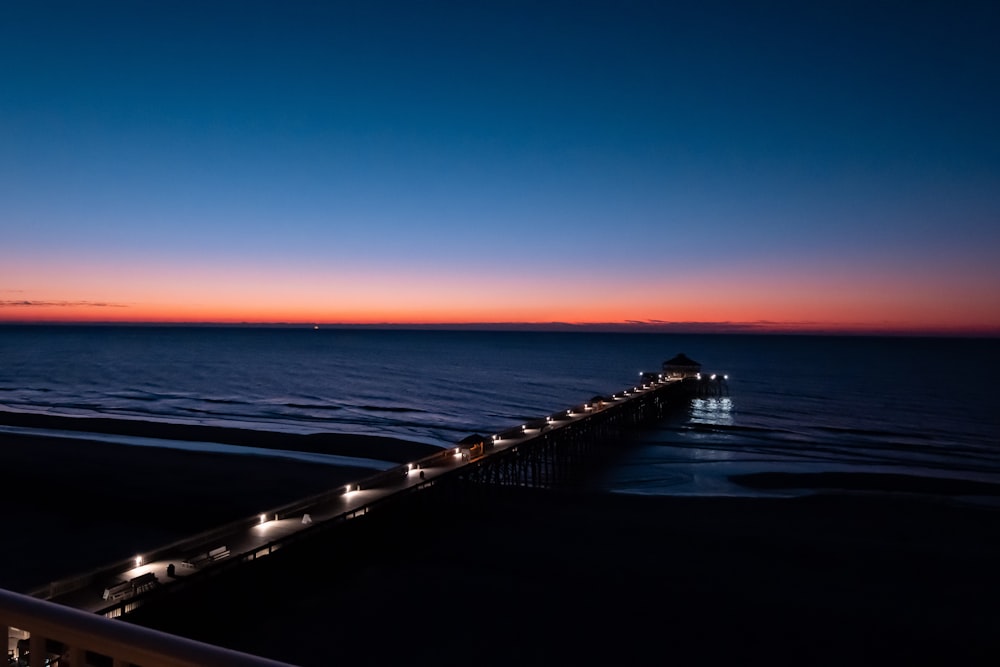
[546,452]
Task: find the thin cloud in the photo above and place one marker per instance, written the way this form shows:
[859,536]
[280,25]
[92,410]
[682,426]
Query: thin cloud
[7,303]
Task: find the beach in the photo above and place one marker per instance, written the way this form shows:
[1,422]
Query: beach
[522,576]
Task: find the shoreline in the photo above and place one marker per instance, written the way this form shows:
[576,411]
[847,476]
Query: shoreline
[384,448]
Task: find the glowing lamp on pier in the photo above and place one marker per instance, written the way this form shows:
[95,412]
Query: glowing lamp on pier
[138,561]
[263,518]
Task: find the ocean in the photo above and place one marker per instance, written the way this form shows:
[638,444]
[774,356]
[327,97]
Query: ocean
[795,403]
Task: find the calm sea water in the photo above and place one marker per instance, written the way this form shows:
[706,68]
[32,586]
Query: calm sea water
[796,403]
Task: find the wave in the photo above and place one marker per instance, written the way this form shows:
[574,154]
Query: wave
[312,406]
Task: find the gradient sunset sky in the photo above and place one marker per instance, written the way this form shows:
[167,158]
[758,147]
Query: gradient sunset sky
[710,165]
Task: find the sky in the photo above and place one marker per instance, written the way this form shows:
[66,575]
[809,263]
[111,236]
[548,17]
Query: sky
[730,166]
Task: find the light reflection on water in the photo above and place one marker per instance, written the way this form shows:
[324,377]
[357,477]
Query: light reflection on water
[712,411]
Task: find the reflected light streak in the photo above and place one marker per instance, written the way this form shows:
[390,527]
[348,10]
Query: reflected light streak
[714,411]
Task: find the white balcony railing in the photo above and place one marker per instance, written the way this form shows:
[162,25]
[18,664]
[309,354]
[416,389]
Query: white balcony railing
[85,636]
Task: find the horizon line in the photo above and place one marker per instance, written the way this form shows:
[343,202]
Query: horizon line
[661,327]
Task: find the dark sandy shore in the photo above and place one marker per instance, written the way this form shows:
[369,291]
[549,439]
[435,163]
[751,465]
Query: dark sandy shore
[535,578]
[522,577]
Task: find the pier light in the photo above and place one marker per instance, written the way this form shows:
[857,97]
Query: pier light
[725,377]
[713,377]
[458,452]
[569,413]
[138,561]
[263,518]
[348,488]
[496,437]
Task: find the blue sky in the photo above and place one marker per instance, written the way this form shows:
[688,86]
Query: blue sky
[828,164]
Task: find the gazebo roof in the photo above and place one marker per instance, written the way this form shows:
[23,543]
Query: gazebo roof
[682,360]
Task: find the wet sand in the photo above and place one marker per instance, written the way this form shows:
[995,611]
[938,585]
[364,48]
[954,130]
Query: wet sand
[361,446]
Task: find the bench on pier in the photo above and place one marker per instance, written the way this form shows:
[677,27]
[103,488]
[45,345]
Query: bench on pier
[133,586]
[118,591]
[205,557]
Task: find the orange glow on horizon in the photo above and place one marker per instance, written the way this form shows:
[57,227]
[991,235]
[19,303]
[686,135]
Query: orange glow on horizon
[739,299]
[699,318]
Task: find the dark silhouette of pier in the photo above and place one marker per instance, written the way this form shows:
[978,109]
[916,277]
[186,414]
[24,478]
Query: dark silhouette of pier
[544,453]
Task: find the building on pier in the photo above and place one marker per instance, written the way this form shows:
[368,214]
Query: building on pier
[681,367]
